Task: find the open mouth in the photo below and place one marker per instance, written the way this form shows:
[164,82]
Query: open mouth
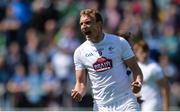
[87,32]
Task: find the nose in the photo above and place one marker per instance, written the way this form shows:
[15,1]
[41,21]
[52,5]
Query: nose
[83,26]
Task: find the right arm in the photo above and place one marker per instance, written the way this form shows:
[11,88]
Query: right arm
[81,84]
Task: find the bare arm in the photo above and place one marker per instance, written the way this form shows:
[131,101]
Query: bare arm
[137,74]
[132,64]
[80,87]
[164,92]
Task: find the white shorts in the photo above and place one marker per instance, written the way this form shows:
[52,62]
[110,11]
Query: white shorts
[127,103]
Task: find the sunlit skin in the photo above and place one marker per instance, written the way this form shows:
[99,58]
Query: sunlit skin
[91,29]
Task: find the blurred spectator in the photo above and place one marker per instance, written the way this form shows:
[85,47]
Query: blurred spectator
[4,77]
[34,87]
[169,68]
[17,86]
[32,50]
[47,41]
[62,64]
[169,43]
[155,90]
[18,15]
[14,57]
[42,11]
[66,37]
[62,60]
[10,25]
[50,27]
[112,15]
[3,40]
[50,86]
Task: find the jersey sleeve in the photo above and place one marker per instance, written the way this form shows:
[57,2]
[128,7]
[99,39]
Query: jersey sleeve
[125,49]
[78,60]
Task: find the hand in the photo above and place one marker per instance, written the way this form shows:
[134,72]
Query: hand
[136,86]
[76,95]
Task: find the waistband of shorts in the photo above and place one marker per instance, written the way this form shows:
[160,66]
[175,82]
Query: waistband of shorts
[120,97]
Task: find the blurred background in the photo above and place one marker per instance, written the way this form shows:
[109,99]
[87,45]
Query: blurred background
[38,39]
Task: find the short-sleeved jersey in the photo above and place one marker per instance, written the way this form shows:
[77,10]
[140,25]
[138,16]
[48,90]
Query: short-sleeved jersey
[150,90]
[105,66]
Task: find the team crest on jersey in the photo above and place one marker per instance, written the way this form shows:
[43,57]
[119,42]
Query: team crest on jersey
[111,50]
[102,64]
[100,51]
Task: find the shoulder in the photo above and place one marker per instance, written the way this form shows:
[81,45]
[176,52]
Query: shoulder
[80,49]
[118,41]
[156,70]
[154,65]
[115,38]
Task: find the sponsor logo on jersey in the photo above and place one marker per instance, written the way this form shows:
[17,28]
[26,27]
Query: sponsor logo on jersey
[89,54]
[102,64]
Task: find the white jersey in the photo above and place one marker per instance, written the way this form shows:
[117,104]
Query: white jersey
[150,90]
[106,70]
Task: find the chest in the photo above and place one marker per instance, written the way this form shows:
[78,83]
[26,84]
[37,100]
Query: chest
[93,52]
[101,57]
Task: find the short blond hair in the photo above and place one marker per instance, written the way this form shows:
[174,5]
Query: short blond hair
[92,13]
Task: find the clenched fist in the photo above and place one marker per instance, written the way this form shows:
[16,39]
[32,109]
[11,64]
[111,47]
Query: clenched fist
[76,95]
[136,86]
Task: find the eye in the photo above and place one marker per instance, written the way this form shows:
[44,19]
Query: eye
[88,22]
[85,23]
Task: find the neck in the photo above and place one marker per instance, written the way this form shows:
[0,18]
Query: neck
[98,38]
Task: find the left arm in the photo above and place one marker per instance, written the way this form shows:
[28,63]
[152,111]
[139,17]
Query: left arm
[137,74]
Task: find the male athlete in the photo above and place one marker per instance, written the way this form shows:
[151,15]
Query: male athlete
[104,57]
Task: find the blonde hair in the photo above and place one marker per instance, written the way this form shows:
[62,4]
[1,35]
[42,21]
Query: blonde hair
[92,13]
